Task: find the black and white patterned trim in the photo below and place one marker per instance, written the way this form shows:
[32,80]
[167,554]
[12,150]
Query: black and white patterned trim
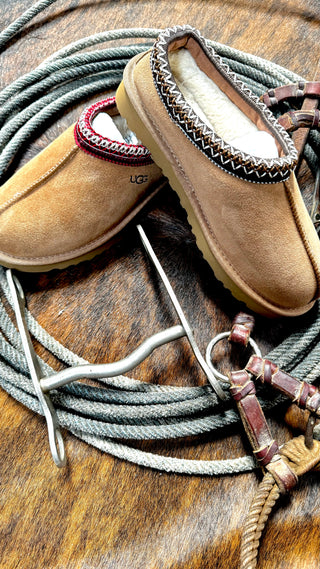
[224,155]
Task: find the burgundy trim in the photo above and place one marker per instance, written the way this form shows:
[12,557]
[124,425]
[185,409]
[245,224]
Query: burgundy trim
[104,148]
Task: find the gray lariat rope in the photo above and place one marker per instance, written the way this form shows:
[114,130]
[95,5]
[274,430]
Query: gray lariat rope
[126,408]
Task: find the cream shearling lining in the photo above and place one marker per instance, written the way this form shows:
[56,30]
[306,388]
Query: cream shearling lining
[216,110]
[114,128]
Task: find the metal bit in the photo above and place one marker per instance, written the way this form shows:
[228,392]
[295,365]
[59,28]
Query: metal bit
[43,385]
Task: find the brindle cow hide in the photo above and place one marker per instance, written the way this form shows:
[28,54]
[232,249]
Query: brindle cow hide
[101,512]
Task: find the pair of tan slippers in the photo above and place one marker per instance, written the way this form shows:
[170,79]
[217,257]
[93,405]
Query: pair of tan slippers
[224,153]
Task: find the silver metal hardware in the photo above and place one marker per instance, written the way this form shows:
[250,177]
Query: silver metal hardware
[210,376]
[55,437]
[308,435]
[98,371]
[211,345]
[43,385]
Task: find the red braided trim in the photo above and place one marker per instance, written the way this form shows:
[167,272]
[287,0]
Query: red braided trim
[102,147]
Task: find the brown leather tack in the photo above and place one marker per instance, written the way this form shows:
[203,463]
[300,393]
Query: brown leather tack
[242,326]
[313,403]
[256,365]
[303,394]
[283,474]
[265,454]
[291,91]
[292,120]
[239,392]
[252,416]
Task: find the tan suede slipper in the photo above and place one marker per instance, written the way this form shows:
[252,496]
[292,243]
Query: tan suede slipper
[231,164]
[77,194]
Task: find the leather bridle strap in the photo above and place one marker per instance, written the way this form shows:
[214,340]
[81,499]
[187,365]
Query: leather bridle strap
[307,117]
[310,103]
[300,90]
[281,465]
[293,120]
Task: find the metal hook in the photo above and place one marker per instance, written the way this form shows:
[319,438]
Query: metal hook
[202,362]
[55,437]
[110,370]
[308,435]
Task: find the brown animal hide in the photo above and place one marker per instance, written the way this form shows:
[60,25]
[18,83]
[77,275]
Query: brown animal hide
[101,512]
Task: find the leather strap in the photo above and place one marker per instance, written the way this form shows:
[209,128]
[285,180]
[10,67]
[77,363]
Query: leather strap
[244,393]
[309,91]
[265,448]
[283,474]
[300,136]
[292,91]
[306,396]
[242,327]
[292,120]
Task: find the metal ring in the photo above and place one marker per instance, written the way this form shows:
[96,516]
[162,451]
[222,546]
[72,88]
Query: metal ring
[213,342]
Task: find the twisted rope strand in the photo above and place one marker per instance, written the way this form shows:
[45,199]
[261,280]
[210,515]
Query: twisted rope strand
[20,22]
[264,500]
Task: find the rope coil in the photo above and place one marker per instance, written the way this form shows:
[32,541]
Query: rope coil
[147,411]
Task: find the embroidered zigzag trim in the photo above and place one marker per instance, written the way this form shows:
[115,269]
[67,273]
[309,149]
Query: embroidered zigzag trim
[104,147]
[223,154]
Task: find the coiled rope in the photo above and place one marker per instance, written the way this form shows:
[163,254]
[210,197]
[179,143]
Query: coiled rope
[126,409]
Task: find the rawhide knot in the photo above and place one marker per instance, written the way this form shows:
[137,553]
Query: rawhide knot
[242,327]
[302,458]
[241,385]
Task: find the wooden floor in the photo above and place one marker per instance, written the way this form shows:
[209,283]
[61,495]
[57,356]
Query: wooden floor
[100,512]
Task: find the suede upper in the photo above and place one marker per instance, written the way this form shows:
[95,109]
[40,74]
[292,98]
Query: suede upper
[258,237]
[67,202]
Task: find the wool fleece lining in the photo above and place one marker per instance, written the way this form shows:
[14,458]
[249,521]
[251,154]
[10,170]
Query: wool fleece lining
[114,128]
[216,110]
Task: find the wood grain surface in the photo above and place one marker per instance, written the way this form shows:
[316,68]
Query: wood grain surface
[101,512]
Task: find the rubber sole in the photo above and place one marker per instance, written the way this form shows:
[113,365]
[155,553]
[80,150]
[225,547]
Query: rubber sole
[144,130]
[61,265]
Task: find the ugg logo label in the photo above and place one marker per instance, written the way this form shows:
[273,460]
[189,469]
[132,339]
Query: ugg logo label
[140,179]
